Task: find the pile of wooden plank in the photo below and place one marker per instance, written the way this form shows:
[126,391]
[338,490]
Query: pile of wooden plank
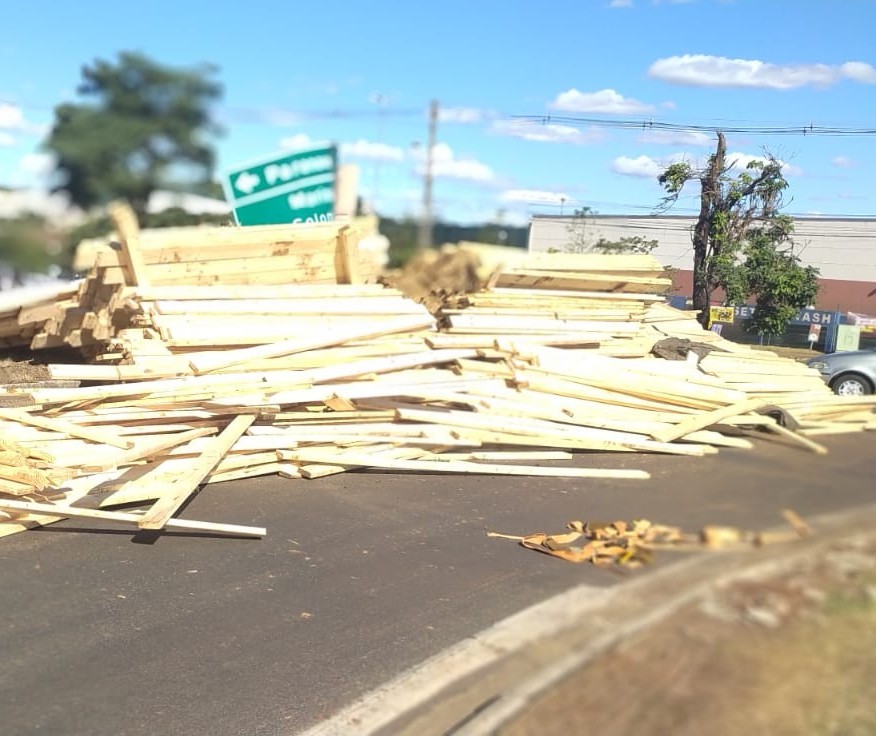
[589,272]
[105,307]
[553,363]
[24,317]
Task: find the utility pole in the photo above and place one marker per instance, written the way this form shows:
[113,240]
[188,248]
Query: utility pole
[424,235]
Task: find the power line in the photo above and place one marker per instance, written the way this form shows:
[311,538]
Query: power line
[257,115]
[647,125]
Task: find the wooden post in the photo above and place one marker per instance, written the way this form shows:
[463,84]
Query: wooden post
[347,257]
[125,221]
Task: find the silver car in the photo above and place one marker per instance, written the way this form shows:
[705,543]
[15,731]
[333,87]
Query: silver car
[850,373]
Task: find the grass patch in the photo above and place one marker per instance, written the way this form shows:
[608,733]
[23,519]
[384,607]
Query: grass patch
[814,676]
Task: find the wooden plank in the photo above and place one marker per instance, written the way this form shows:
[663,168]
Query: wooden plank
[272,270]
[223,292]
[163,509]
[386,365]
[68,428]
[218,251]
[175,388]
[550,294]
[72,491]
[312,471]
[707,419]
[530,413]
[504,455]
[125,222]
[799,439]
[148,449]
[347,257]
[189,336]
[530,278]
[536,323]
[452,466]
[288,470]
[538,431]
[338,305]
[64,510]
[220,235]
[208,363]
[489,340]
[204,252]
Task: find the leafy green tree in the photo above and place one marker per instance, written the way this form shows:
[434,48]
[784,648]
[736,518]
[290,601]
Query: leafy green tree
[141,126]
[577,229]
[741,242]
[25,246]
[774,274]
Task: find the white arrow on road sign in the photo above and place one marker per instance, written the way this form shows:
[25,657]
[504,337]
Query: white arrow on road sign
[246,182]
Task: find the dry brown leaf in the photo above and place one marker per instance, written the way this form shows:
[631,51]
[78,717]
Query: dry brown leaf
[631,544]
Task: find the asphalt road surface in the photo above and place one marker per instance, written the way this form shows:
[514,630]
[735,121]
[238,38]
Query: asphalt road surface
[361,576]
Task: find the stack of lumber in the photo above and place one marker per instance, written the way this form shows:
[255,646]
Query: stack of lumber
[180,330]
[24,312]
[589,272]
[588,301]
[104,306]
[554,365]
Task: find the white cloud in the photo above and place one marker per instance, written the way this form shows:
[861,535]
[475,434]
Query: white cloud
[548,132]
[446,165]
[621,4]
[372,150]
[699,70]
[37,164]
[858,71]
[7,139]
[844,162]
[741,160]
[299,140]
[533,196]
[461,115]
[11,117]
[603,101]
[643,167]
[676,138]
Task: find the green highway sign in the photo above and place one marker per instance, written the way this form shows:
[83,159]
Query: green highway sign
[298,186]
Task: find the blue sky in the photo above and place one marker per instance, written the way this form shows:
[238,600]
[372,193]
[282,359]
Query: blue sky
[362,74]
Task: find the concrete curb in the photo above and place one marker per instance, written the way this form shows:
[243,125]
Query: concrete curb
[481,683]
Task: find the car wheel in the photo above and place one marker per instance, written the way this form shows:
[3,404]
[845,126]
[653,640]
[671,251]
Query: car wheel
[851,385]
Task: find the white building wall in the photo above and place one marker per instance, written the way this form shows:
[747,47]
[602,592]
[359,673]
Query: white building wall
[843,249]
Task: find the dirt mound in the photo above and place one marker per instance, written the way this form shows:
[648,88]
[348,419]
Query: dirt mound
[449,270]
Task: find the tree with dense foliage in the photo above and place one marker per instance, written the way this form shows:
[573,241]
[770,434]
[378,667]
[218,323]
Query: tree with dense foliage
[141,126]
[741,242]
[771,272]
[25,246]
[577,229]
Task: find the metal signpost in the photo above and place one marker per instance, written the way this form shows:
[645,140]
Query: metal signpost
[293,187]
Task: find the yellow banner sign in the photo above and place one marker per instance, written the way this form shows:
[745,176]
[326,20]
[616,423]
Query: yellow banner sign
[721,314]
